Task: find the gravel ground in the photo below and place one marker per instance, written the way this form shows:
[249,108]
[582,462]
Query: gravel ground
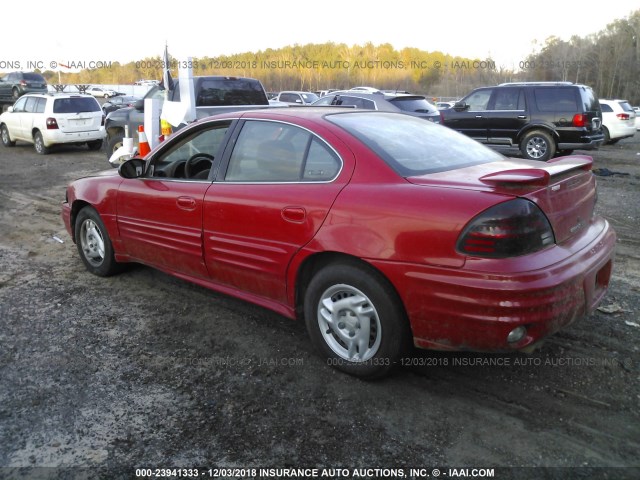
[99,377]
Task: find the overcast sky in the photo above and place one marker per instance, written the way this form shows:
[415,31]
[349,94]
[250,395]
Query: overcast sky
[126,31]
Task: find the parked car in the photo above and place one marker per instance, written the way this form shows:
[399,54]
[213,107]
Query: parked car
[416,105]
[378,228]
[51,119]
[618,119]
[541,119]
[101,92]
[117,102]
[637,110]
[295,98]
[14,85]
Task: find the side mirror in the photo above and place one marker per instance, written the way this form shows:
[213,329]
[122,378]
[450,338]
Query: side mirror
[460,106]
[139,105]
[10,109]
[133,168]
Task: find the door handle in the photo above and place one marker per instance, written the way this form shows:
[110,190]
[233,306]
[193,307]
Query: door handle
[294,214]
[478,116]
[522,117]
[186,203]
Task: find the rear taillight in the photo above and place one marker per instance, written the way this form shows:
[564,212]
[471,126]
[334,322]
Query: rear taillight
[623,116]
[52,124]
[579,120]
[441,118]
[510,229]
[103,119]
[23,83]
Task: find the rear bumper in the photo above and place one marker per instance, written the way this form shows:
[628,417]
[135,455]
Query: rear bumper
[462,309]
[589,143]
[54,137]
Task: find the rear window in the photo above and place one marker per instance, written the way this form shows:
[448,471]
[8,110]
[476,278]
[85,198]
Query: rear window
[412,146]
[626,107]
[589,100]
[76,105]
[556,99]
[413,104]
[230,91]
[33,77]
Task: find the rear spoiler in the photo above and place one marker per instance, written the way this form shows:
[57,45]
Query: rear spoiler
[539,176]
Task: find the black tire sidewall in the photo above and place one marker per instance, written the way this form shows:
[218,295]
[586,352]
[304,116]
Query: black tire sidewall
[394,324]
[108,266]
[113,141]
[551,146]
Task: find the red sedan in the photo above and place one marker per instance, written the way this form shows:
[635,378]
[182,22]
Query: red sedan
[377,228]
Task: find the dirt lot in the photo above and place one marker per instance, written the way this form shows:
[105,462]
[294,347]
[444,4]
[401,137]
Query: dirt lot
[143,370]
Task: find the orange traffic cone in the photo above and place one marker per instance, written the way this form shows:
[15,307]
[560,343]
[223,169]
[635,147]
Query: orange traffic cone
[143,144]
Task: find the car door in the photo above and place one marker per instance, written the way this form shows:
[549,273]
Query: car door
[506,115]
[160,214]
[14,120]
[471,120]
[280,181]
[29,118]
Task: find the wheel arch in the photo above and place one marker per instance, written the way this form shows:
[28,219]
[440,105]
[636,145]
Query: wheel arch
[76,206]
[317,261]
[538,126]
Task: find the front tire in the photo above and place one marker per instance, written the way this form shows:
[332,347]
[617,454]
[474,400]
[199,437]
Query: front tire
[355,319]
[114,143]
[537,145]
[94,244]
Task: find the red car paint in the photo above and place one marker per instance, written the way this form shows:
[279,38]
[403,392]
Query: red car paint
[256,240]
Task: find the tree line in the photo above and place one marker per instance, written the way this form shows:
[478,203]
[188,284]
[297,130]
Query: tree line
[608,61]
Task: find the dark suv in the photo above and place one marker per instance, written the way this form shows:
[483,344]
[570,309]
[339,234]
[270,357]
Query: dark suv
[14,85]
[541,119]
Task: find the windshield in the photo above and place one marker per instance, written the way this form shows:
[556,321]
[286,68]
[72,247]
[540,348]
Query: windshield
[412,146]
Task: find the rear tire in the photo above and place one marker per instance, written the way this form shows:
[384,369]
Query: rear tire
[38,143]
[355,319]
[94,145]
[607,137]
[537,145]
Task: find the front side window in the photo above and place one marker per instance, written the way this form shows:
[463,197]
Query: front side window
[273,152]
[194,157]
[20,105]
[479,100]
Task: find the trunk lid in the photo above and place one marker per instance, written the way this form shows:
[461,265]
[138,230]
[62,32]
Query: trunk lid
[563,188]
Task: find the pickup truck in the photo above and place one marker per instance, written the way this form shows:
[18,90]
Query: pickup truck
[214,94]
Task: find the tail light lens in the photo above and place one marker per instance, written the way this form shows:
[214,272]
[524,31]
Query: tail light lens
[623,116]
[52,124]
[510,229]
[579,120]
[23,83]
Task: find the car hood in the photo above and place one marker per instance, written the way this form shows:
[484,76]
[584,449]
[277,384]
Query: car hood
[564,188]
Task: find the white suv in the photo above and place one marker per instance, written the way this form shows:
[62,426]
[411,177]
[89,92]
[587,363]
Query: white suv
[50,119]
[618,120]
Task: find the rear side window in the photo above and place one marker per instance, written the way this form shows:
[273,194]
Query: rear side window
[509,99]
[626,107]
[76,105]
[606,108]
[556,99]
[272,152]
[346,101]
